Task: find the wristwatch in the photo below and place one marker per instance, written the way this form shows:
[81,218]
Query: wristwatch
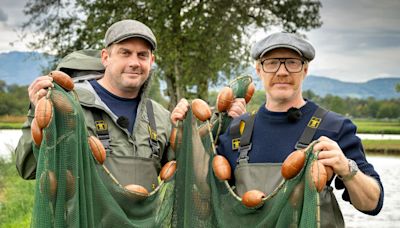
[353,168]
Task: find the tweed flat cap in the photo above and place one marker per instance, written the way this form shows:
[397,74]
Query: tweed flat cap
[126,29]
[283,40]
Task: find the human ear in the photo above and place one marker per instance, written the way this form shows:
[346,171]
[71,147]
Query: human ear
[104,57]
[258,68]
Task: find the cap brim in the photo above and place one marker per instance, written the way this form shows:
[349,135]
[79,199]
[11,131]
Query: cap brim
[280,46]
[153,45]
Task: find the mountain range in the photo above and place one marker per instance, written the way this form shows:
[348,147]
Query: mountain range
[23,67]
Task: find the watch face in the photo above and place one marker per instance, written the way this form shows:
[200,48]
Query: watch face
[353,167]
[353,170]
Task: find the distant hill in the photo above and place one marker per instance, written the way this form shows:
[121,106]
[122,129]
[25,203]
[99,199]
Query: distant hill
[383,88]
[23,67]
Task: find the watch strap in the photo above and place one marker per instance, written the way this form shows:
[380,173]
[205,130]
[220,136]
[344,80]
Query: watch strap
[353,168]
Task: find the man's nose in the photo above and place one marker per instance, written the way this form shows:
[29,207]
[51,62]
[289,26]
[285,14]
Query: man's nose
[134,61]
[282,71]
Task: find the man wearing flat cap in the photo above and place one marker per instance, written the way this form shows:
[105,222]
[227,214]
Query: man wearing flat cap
[287,122]
[116,106]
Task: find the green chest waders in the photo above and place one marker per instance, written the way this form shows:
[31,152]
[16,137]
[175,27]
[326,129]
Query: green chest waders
[132,169]
[267,177]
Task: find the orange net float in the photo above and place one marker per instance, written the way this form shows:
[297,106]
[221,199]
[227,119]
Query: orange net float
[36,132]
[97,149]
[48,184]
[293,164]
[253,198]
[70,178]
[221,167]
[137,190]
[201,110]
[62,79]
[60,102]
[318,175]
[176,138]
[250,91]
[43,112]
[168,170]
[329,172]
[224,99]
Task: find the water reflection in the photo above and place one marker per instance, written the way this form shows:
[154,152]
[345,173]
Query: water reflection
[389,171]
[8,142]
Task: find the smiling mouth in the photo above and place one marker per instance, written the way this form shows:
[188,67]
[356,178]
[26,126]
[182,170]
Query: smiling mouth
[282,83]
[133,73]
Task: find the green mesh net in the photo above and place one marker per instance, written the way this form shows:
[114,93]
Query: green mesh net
[74,190]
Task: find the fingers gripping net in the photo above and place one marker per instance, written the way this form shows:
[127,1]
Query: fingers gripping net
[74,190]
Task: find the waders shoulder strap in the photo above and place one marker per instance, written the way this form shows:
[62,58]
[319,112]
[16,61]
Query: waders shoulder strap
[245,138]
[311,128]
[152,127]
[101,129]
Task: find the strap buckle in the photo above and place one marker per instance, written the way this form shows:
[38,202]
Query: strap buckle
[105,140]
[243,153]
[154,146]
[300,146]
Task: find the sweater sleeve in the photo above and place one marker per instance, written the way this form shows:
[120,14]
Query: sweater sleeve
[352,148]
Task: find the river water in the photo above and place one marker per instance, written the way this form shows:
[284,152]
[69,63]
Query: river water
[387,166]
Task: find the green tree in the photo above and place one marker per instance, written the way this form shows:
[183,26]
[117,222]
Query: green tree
[198,40]
[398,87]
[388,110]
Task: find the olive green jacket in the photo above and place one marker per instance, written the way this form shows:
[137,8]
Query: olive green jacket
[121,142]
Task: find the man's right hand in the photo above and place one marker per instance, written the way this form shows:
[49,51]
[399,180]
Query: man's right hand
[179,111]
[38,88]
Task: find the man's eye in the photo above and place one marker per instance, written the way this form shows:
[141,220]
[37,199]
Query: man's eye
[143,55]
[272,62]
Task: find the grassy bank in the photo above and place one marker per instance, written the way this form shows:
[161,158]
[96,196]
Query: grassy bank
[377,126]
[16,197]
[11,122]
[383,147]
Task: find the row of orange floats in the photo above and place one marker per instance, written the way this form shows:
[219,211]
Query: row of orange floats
[292,165]
[44,107]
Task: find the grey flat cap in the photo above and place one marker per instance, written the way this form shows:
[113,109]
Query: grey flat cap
[126,29]
[283,40]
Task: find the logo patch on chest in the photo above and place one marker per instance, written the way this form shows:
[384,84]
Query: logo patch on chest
[235,144]
[314,122]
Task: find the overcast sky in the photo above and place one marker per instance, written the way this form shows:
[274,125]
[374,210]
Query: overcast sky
[358,41]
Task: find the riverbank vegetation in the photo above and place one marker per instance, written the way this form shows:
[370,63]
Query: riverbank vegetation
[16,196]
[377,126]
[14,103]
[382,147]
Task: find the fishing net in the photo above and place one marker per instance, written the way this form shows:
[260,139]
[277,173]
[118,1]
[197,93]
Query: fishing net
[74,190]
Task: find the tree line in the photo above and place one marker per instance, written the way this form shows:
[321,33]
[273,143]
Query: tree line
[14,101]
[351,107]
[198,41]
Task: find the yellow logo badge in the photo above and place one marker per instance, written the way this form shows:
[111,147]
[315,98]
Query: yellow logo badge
[101,125]
[235,143]
[314,122]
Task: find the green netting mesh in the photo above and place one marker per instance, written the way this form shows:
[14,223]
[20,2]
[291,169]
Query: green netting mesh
[74,190]
[204,201]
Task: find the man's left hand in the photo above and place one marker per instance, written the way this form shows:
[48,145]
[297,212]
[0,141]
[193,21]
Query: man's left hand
[237,108]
